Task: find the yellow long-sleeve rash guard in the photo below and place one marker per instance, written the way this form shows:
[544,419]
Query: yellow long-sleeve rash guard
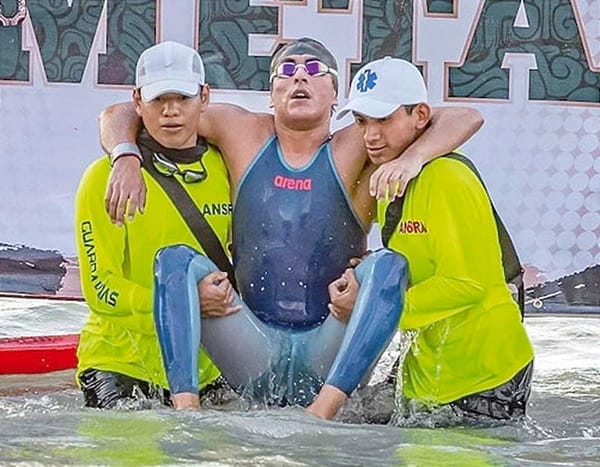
[470,336]
[116,267]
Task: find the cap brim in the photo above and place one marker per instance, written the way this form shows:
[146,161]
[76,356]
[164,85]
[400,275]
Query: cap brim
[368,107]
[154,90]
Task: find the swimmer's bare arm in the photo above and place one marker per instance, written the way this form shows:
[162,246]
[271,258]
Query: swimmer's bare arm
[450,128]
[120,123]
[237,132]
[365,205]
[355,170]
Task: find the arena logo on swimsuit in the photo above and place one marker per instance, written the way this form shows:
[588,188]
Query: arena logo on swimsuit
[297,184]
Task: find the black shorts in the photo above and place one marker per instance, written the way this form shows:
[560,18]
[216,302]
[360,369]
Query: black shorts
[111,390]
[504,402]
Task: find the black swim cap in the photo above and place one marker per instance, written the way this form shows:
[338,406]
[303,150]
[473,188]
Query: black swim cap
[305,46]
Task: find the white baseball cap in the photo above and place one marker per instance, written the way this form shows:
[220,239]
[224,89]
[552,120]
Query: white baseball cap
[169,67]
[382,86]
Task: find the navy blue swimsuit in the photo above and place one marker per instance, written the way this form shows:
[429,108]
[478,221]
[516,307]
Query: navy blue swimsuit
[294,231]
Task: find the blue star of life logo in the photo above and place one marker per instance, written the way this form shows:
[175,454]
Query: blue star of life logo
[366,81]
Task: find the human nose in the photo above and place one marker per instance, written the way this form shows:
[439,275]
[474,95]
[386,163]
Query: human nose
[371,132]
[300,72]
[170,107]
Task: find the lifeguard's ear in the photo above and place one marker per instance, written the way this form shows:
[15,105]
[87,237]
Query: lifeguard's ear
[137,101]
[422,113]
[205,94]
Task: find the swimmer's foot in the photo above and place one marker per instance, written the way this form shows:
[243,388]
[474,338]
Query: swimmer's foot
[186,401]
[328,402]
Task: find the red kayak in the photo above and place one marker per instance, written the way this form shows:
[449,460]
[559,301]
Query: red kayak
[38,354]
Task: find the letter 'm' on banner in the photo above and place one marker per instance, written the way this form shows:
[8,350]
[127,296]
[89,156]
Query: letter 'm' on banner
[64,34]
[552,33]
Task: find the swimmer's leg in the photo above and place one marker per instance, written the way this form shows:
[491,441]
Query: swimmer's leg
[242,346]
[177,316]
[239,344]
[382,277]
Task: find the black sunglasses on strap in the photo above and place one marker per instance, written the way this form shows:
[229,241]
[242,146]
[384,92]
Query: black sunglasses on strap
[169,168]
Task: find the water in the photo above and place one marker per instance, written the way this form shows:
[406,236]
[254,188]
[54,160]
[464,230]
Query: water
[42,421]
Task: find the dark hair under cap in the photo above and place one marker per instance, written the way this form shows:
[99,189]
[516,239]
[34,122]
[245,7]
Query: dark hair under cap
[305,46]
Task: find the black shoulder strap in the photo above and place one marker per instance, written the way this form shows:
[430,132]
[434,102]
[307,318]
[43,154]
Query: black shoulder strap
[393,214]
[192,216]
[513,271]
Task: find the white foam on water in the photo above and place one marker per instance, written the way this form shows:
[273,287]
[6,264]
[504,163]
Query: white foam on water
[38,317]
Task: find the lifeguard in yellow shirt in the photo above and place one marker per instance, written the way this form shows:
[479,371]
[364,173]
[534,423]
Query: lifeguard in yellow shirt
[119,356]
[471,350]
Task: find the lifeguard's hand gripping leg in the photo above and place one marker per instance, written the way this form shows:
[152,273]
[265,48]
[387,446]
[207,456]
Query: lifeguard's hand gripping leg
[383,277]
